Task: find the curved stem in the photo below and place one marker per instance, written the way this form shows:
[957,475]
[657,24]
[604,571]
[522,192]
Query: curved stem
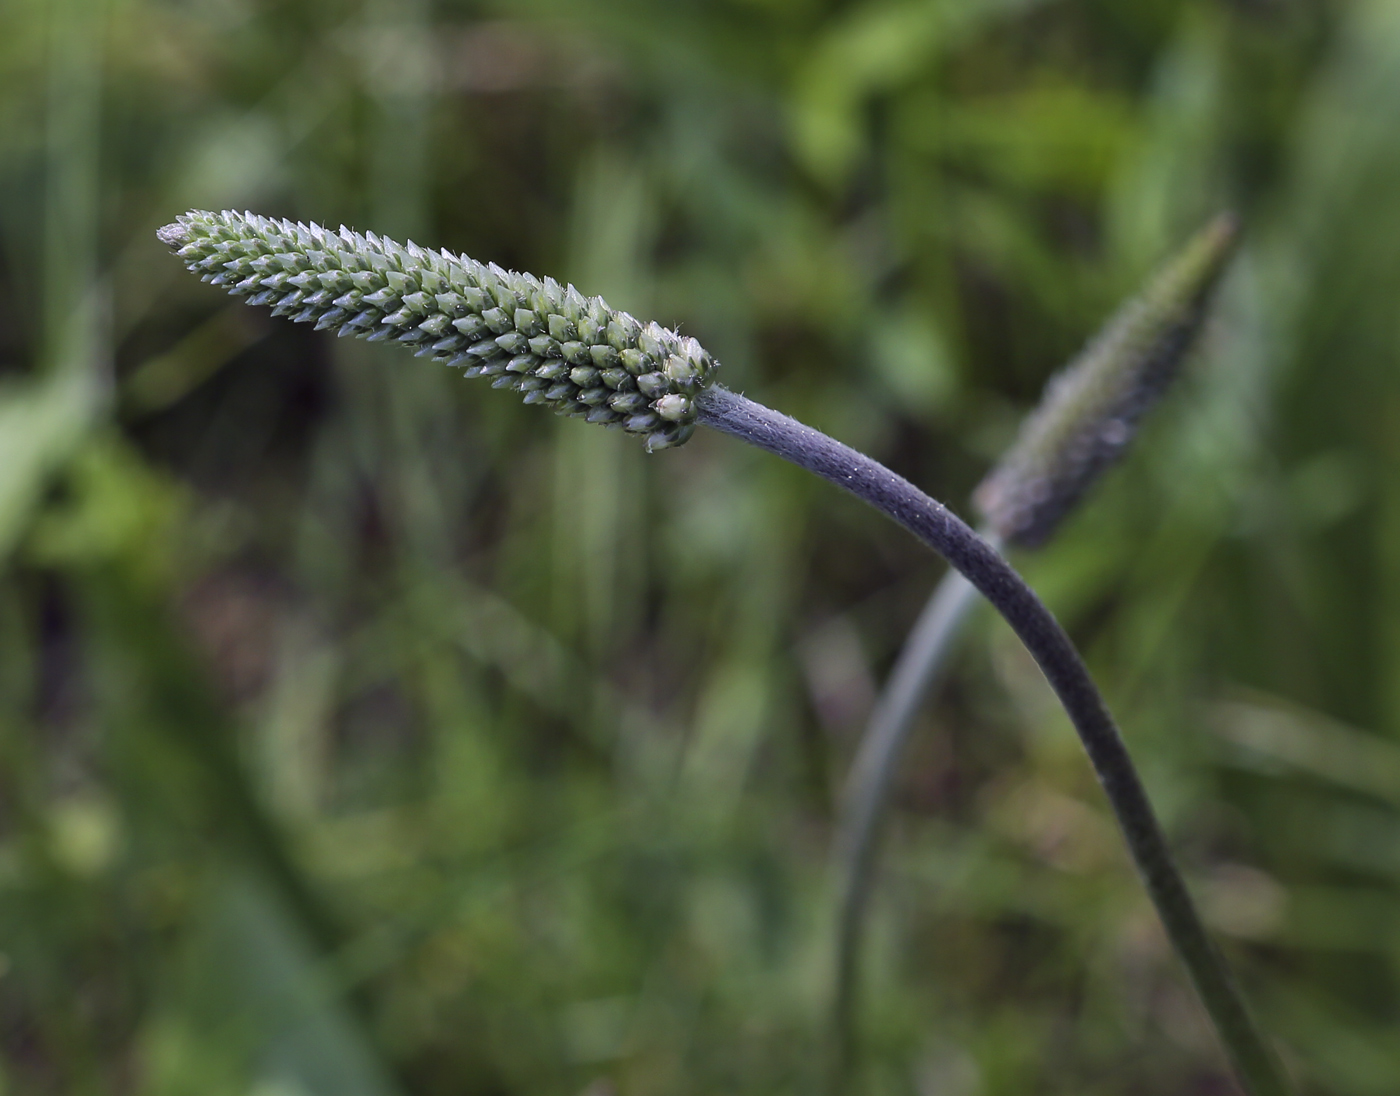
[1254,1062]
[919,667]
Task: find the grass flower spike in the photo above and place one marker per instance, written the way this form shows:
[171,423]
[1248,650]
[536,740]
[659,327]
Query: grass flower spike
[573,353]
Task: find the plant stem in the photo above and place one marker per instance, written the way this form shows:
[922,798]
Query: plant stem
[1254,1061]
[919,667]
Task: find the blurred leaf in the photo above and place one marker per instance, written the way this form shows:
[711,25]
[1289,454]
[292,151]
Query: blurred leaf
[251,982]
[41,422]
[874,47]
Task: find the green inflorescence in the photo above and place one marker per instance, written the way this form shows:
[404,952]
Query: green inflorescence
[573,353]
[1091,410]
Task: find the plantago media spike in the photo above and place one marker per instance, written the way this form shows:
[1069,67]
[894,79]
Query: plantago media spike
[573,353]
[1092,409]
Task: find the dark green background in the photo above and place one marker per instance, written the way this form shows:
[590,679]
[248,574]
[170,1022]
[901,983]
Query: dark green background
[364,732]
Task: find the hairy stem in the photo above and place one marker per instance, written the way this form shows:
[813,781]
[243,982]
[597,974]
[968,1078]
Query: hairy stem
[920,666]
[1254,1062]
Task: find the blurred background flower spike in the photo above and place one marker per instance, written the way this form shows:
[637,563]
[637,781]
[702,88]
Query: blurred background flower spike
[1091,411]
[573,353]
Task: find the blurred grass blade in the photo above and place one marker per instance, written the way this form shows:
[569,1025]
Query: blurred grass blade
[41,422]
[72,174]
[253,981]
[1310,743]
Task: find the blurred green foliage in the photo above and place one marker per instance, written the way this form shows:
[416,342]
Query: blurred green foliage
[362,731]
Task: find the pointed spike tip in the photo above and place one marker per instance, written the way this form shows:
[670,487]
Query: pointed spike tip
[174,235]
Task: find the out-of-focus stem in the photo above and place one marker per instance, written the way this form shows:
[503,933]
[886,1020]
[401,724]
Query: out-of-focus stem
[920,666]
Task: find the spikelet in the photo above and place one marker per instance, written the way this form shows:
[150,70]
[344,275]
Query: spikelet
[562,349]
[1091,410]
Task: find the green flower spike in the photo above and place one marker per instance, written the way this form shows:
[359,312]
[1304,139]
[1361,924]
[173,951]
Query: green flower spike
[574,353]
[1090,412]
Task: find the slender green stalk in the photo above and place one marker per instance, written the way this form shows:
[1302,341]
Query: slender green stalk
[984,567]
[919,668]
